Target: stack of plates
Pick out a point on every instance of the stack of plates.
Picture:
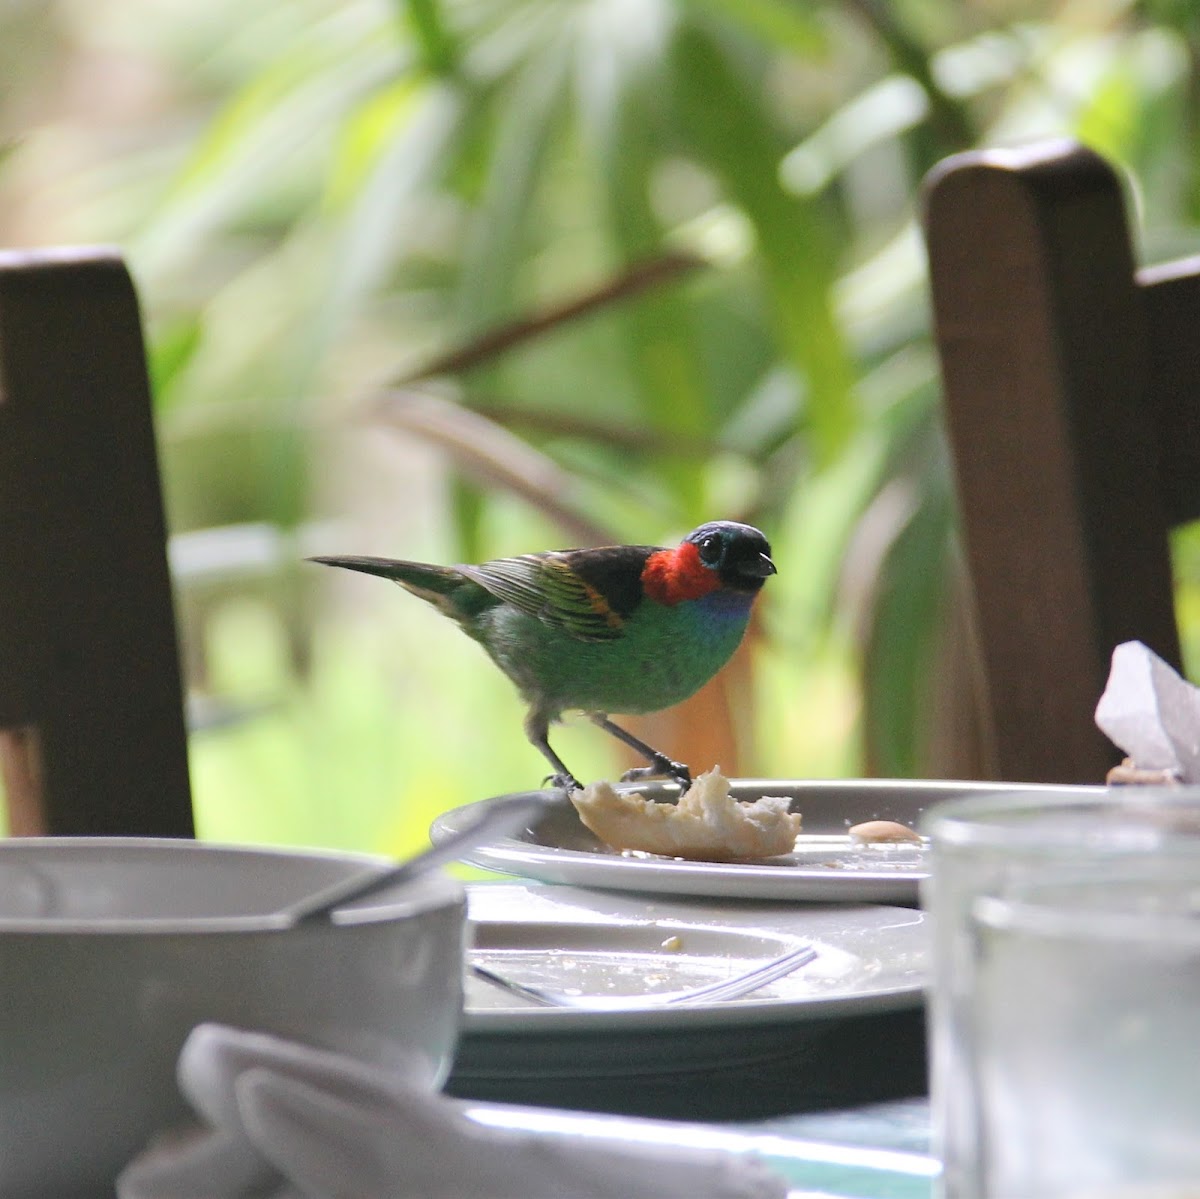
(846, 1028)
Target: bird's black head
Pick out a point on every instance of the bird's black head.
(738, 553)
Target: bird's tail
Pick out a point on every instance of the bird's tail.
(436, 584)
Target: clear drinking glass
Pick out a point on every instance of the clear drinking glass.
(1006, 872)
(1086, 1059)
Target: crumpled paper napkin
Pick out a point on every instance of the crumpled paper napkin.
(1153, 715)
(285, 1121)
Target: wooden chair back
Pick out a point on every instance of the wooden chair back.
(1070, 382)
(90, 691)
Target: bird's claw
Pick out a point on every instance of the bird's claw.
(682, 775)
(562, 782)
(662, 767)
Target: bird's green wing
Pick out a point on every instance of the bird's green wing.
(546, 586)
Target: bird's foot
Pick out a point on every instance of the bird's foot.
(661, 767)
(563, 782)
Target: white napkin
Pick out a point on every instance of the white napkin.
(285, 1121)
(1152, 714)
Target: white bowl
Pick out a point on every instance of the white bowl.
(112, 950)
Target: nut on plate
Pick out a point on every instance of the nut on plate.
(882, 832)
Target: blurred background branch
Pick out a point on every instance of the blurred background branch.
(495, 342)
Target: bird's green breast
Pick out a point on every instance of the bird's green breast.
(664, 654)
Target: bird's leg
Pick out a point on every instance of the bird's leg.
(660, 764)
(537, 729)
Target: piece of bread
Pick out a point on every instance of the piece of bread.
(706, 824)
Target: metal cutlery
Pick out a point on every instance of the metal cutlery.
(730, 988)
(491, 818)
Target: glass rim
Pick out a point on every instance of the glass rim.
(1057, 921)
(994, 820)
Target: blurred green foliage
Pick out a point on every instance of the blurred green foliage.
(454, 278)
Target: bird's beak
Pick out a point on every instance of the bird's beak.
(760, 567)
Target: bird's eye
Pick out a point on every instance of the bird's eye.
(710, 549)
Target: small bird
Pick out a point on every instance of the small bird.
(620, 628)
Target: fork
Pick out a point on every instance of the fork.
(728, 988)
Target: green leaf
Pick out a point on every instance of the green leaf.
(366, 134)
(904, 616)
(528, 112)
(818, 523)
(168, 353)
(395, 150)
(277, 120)
(439, 51)
(619, 85)
(723, 123)
(783, 24)
(874, 116)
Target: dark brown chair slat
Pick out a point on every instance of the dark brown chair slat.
(88, 655)
(1069, 397)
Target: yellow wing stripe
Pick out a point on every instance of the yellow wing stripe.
(602, 608)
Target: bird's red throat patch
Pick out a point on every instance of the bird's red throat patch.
(672, 576)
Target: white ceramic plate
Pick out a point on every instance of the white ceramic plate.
(789, 1039)
(869, 958)
(826, 865)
